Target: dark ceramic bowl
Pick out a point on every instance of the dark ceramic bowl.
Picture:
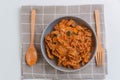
(50, 27)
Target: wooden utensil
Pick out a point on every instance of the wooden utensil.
(100, 51)
(31, 54)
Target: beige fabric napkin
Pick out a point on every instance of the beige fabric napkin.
(45, 14)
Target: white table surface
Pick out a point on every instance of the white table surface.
(9, 34)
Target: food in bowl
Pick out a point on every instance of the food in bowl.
(69, 44)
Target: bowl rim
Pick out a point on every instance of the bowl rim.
(43, 52)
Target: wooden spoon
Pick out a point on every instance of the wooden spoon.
(31, 54)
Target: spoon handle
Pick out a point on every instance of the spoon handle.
(33, 13)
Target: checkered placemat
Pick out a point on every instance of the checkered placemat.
(46, 14)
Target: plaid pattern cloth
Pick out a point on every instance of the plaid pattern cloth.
(44, 15)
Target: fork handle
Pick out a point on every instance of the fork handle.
(97, 20)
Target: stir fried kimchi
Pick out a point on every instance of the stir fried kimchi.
(69, 44)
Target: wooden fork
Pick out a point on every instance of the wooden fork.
(100, 51)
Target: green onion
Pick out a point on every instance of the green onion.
(53, 42)
(68, 33)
